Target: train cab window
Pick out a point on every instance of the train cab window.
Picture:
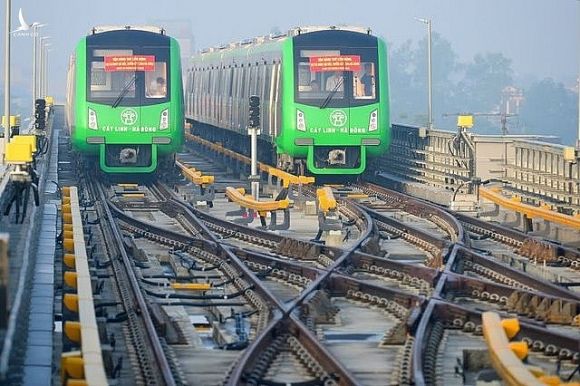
(336, 69)
(315, 84)
(364, 85)
(107, 81)
(155, 81)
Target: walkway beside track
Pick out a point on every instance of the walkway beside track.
(27, 343)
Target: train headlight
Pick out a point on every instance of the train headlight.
(300, 121)
(164, 120)
(374, 121)
(93, 125)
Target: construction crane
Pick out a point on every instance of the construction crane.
(502, 116)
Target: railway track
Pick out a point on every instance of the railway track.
(285, 309)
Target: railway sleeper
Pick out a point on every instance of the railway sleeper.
(298, 249)
(319, 308)
(535, 249)
(557, 311)
(308, 361)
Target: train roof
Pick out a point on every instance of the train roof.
(260, 40)
(315, 28)
(109, 28)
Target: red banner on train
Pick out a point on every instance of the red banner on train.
(335, 63)
(130, 63)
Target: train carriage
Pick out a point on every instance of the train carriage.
(324, 97)
(125, 98)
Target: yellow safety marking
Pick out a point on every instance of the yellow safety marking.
(70, 279)
(511, 327)
(326, 200)
(66, 200)
(195, 176)
(520, 349)
(506, 358)
(67, 227)
(133, 195)
(531, 211)
(465, 121)
(191, 286)
(69, 260)
(67, 218)
(71, 365)
(68, 245)
(66, 191)
(66, 208)
(27, 139)
(260, 206)
(508, 366)
(71, 302)
(132, 186)
(18, 153)
(357, 196)
(72, 331)
(88, 362)
(68, 234)
(76, 382)
(569, 154)
(14, 120)
(287, 178)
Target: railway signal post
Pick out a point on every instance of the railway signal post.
(253, 132)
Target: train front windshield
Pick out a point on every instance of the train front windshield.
(336, 69)
(127, 76)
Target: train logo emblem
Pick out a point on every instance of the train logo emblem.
(129, 117)
(338, 118)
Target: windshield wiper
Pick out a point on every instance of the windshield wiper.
(123, 92)
(331, 94)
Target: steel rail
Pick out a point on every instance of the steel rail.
(419, 208)
(162, 364)
(258, 345)
(561, 250)
(522, 277)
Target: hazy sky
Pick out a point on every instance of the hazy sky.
(542, 37)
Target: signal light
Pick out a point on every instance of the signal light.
(39, 114)
(254, 119)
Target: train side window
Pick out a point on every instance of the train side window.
(231, 82)
(156, 81)
(364, 82)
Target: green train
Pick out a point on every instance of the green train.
(125, 98)
(324, 98)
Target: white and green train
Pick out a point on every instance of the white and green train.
(324, 97)
(125, 98)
